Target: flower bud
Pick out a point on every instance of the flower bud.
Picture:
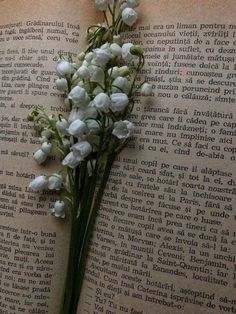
(101, 5)
(30, 116)
(132, 3)
(129, 16)
(39, 183)
(117, 39)
(54, 182)
(119, 101)
(34, 113)
(146, 89)
(81, 56)
(136, 50)
(59, 209)
(39, 156)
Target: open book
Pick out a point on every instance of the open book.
(165, 236)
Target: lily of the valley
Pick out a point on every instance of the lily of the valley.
(55, 182)
(146, 89)
(39, 183)
(59, 209)
(119, 101)
(102, 102)
(64, 68)
(39, 156)
(129, 16)
(78, 128)
(123, 129)
(78, 96)
(81, 150)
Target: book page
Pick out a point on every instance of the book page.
(164, 240)
(33, 244)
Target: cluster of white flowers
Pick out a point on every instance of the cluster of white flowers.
(99, 93)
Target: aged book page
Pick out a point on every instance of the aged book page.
(164, 240)
(33, 244)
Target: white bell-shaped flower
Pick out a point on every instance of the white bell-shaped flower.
(119, 101)
(62, 85)
(146, 89)
(113, 72)
(40, 156)
(59, 209)
(46, 147)
(62, 125)
(78, 128)
(102, 102)
(64, 68)
(81, 150)
(83, 72)
(78, 96)
(126, 54)
(39, 183)
(115, 50)
(123, 129)
(121, 84)
(97, 74)
(55, 182)
(93, 126)
(71, 161)
(101, 56)
(129, 16)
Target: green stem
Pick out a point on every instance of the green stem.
(73, 251)
(88, 230)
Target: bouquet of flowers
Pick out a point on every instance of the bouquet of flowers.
(99, 93)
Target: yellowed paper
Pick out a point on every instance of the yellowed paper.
(165, 235)
(33, 244)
